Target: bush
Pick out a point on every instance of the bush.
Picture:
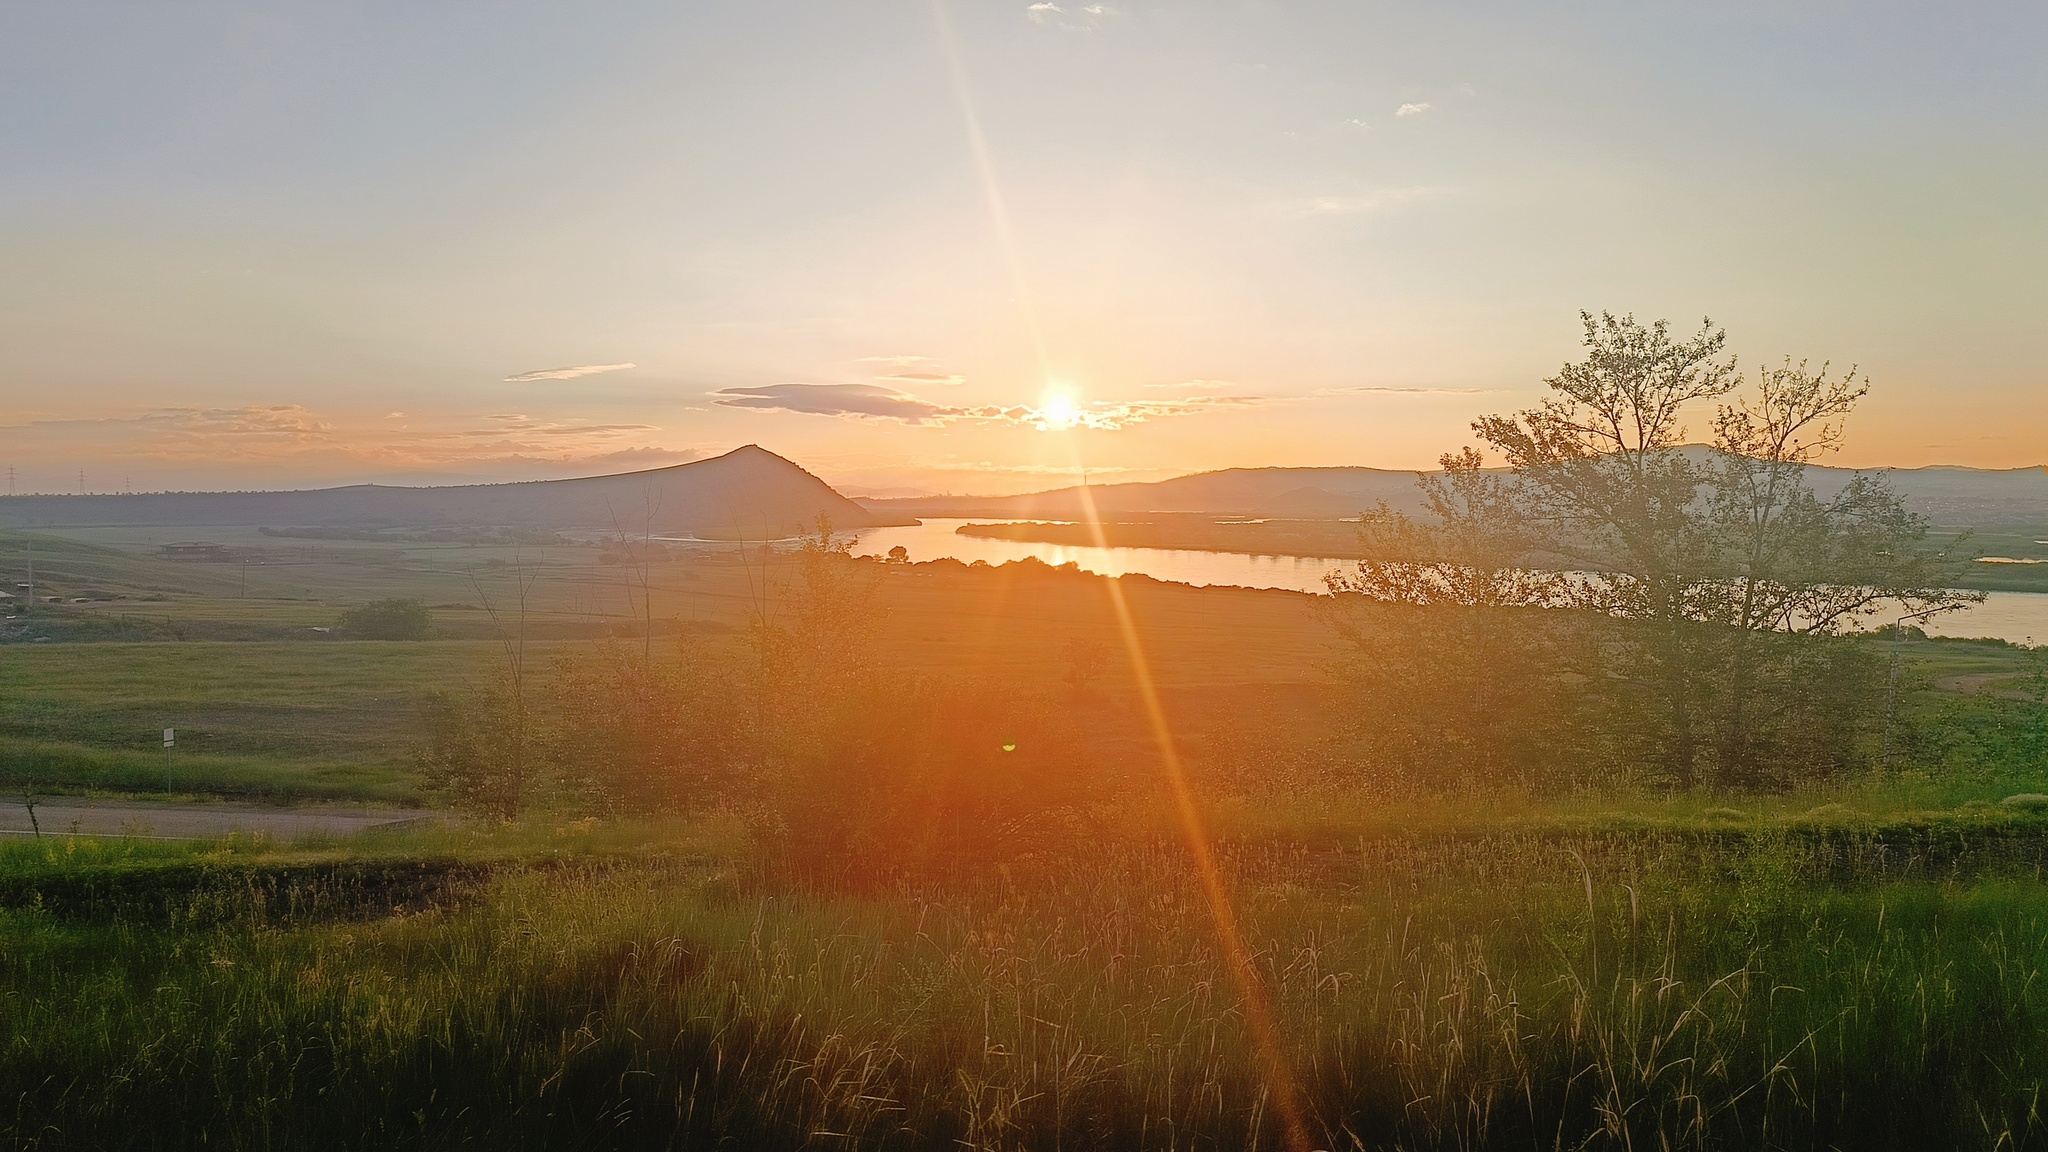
(387, 620)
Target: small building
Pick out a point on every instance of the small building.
(195, 550)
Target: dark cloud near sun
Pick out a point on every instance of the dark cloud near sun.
(870, 400)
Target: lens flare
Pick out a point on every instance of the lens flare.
(1058, 412)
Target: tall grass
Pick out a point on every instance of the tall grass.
(1517, 994)
(67, 766)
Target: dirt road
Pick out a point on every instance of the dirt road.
(170, 821)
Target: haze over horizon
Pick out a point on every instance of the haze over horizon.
(290, 245)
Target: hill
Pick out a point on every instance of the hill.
(748, 492)
(1301, 493)
(1947, 495)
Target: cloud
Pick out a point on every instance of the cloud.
(1197, 385)
(899, 361)
(1390, 390)
(925, 377)
(1411, 109)
(1110, 416)
(286, 444)
(1080, 18)
(867, 400)
(505, 424)
(1363, 203)
(874, 402)
(644, 457)
(566, 373)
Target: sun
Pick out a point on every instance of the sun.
(1057, 410)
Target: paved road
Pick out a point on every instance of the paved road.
(191, 821)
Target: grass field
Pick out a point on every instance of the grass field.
(1796, 983)
(281, 711)
(302, 715)
(2008, 543)
(1853, 966)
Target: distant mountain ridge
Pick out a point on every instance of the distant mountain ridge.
(1945, 494)
(748, 492)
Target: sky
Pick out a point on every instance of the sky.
(973, 246)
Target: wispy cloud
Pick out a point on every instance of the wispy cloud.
(1392, 390)
(1111, 415)
(875, 402)
(1411, 109)
(269, 445)
(866, 400)
(1362, 203)
(913, 371)
(569, 373)
(503, 424)
(1070, 17)
(643, 457)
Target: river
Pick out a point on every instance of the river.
(2020, 617)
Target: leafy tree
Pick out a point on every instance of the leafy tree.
(387, 620)
(1721, 575)
(1719, 555)
(478, 748)
(862, 771)
(1456, 678)
(642, 734)
(1791, 564)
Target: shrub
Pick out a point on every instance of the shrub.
(387, 620)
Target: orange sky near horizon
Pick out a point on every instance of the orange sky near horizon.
(288, 246)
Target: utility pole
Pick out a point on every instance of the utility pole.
(10, 479)
(81, 481)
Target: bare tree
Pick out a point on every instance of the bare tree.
(30, 797)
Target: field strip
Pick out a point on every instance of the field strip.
(193, 821)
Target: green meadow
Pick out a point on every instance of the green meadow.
(1697, 980)
(1851, 962)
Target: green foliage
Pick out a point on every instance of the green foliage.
(640, 733)
(398, 619)
(76, 767)
(865, 773)
(1708, 589)
(1999, 732)
(479, 749)
(1506, 991)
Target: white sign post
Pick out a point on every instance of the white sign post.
(170, 742)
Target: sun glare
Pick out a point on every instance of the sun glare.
(1057, 411)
